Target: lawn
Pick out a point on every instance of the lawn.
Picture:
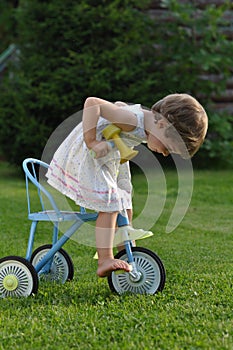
(194, 311)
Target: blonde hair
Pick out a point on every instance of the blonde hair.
(187, 116)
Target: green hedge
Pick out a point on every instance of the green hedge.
(112, 49)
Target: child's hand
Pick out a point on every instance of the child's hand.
(100, 149)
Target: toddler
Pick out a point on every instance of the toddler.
(175, 124)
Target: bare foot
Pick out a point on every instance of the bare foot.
(107, 266)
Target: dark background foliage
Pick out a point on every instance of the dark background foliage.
(69, 50)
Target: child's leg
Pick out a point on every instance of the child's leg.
(105, 229)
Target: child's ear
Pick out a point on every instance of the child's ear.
(162, 123)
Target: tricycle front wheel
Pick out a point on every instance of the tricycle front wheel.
(151, 271)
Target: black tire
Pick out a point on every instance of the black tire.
(153, 274)
(62, 268)
(18, 278)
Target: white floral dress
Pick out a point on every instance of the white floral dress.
(101, 184)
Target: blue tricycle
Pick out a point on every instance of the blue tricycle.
(19, 277)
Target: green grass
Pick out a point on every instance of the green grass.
(195, 310)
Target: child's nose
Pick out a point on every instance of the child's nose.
(165, 153)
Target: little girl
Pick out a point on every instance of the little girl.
(175, 124)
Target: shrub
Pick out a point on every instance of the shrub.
(70, 50)
(112, 49)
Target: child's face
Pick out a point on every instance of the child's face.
(156, 145)
(157, 141)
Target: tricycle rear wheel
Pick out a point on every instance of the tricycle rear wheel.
(62, 268)
(18, 277)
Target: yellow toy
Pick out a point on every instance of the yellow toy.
(112, 132)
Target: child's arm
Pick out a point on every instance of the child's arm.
(94, 108)
(120, 104)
